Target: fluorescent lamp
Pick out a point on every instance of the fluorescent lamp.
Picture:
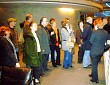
(66, 9)
(108, 4)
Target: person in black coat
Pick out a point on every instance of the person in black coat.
(86, 43)
(8, 56)
(54, 42)
(107, 26)
(97, 40)
(79, 41)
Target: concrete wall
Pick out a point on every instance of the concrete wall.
(37, 12)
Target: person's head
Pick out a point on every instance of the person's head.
(44, 21)
(12, 22)
(105, 20)
(29, 17)
(99, 23)
(53, 22)
(80, 24)
(49, 26)
(67, 19)
(33, 26)
(89, 20)
(5, 31)
(63, 23)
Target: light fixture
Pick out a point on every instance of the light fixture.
(66, 9)
(108, 4)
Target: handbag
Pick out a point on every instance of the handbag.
(69, 43)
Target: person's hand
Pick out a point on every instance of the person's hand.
(52, 33)
(59, 45)
(79, 45)
(17, 65)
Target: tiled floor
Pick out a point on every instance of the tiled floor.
(72, 76)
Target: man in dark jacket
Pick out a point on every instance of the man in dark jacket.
(97, 40)
(43, 36)
(86, 43)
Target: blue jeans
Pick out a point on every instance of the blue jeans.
(67, 62)
(86, 58)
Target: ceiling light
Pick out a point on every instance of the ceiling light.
(66, 9)
(108, 4)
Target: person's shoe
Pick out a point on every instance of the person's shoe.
(90, 75)
(84, 67)
(94, 81)
(65, 67)
(54, 66)
(37, 81)
(49, 69)
(42, 75)
(71, 66)
(89, 66)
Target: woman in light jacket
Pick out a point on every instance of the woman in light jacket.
(65, 35)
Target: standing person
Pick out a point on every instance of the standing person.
(67, 45)
(79, 41)
(14, 34)
(54, 43)
(43, 36)
(71, 31)
(86, 43)
(106, 27)
(97, 40)
(8, 56)
(26, 24)
(32, 56)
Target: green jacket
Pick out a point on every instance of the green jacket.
(30, 54)
(44, 39)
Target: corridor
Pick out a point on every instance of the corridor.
(77, 75)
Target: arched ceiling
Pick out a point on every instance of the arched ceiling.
(80, 5)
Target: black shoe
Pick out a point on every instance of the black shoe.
(94, 81)
(54, 66)
(49, 69)
(79, 61)
(71, 66)
(42, 75)
(90, 75)
(89, 66)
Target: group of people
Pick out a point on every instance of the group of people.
(44, 38)
(91, 39)
(39, 41)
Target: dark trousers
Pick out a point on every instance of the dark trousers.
(54, 48)
(35, 71)
(95, 60)
(45, 61)
(80, 54)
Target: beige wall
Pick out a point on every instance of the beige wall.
(37, 12)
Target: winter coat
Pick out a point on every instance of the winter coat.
(30, 55)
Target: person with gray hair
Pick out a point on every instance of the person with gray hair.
(86, 43)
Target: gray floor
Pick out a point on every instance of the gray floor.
(72, 76)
